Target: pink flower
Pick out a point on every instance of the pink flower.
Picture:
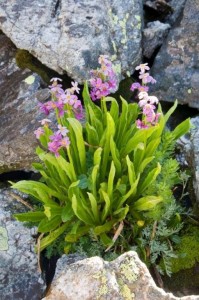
(74, 87)
(45, 122)
(143, 68)
(65, 142)
(141, 125)
(153, 100)
(143, 95)
(38, 132)
(148, 109)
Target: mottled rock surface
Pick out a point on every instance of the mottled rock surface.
(19, 276)
(153, 37)
(189, 145)
(19, 113)
(125, 278)
(176, 67)
(68, 36)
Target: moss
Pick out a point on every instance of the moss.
(26, 60)
(187, 251)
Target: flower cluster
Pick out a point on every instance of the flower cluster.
(63, 101)
(57, 140)
(104, 80)
(146, 102)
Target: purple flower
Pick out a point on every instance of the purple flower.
(44, 108)
(63, 130)
(56, 137)
(135, 86)
(54, 147)
(38, 132)
(104, 80)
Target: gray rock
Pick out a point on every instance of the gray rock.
(176, 67)
(68, 36)
(154, 36)
(169, 11)
(125, 278)
(19, 276)
(189, 145)
(19, 113)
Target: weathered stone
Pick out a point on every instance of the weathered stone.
(154, 36)
(125, 278)
(19, 113)
(167, 11)
(68, 36)
(19, 276)
(176, 67)
(189, 145)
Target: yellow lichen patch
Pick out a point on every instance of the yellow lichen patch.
(103, 289)
(129, 271)
(125, 290)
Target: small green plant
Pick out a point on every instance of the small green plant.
(106, 173)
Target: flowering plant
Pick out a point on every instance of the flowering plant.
(102, 170)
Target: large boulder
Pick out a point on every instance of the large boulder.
(19, 276)
(125, 278)
(68, 36)
(19, 113)
(176, 67)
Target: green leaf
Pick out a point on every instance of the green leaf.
(139, 137)
(147, 203)
(149, 179)
(111, 177)
(181, 129)
(37, 189)
(77, 130)
(121, 213)
(73, 237)
(83, 181)
(52, 210)
(131, 171)
(107, 206)
(47, 225)
(145, 163)
(115, 156)
(80, 211)
(52, 236)
(67, 212)
(32, 216)
(98, 230)
(92, 135)
(94, 207)
(170, 111)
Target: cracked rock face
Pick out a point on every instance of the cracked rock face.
(125, 278)
(68, 36)
(19, 276)
(19, 113)
(176, 67)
